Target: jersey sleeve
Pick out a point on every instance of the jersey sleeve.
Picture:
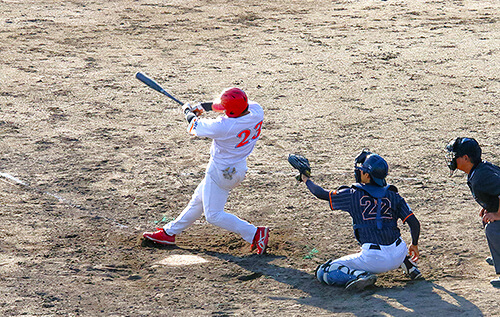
(489, 184)
(317, 190)
(210, 128)
(485, 187)
(341, 199)
(403, 211)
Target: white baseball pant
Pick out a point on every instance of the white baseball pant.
(387, 258)
(210, 197)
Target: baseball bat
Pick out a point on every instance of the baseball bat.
(153, 84)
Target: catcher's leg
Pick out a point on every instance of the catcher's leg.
(190, 214)
(332, 273)
(411, 269)
(376, 258)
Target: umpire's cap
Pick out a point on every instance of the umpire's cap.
(465, 146)
(377, 167)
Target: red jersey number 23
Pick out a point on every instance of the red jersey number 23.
(246, 135)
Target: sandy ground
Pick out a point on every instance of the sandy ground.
(91, 157)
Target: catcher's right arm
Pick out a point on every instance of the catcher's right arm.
(300, 163)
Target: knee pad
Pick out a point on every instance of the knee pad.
(320, 271)
(335, 274)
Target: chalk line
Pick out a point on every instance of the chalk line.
(59, 198)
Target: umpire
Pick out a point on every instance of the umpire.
(484, 182)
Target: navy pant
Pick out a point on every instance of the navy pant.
(492, 231)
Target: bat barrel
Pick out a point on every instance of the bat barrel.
(153, 84)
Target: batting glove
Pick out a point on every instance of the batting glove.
(197, 109)
(186, 108)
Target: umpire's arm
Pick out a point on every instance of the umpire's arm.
(492, 216)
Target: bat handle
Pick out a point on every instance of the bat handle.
(172, 97)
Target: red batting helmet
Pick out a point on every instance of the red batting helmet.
(233, 102)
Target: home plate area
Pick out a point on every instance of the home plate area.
(181, 260)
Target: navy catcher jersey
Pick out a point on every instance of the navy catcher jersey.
(484, 183)
(363, 209)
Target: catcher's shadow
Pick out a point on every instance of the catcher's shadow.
(416, 298)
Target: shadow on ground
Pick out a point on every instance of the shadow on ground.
(412, 299)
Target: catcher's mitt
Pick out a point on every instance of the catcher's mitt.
(300, 163)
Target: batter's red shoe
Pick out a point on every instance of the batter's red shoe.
(260, 240)
(160, 237)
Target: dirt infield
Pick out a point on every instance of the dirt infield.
(91, 157)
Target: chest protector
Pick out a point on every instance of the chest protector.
(378, 193)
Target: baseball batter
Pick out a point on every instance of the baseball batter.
(375, 208)
(483, 179)
(234, 136)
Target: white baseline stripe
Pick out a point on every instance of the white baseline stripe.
(59, 198)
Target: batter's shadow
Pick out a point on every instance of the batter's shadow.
(416, 298)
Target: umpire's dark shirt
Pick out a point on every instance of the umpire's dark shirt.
(484, 183)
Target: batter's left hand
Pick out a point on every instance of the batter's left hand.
(413, 252)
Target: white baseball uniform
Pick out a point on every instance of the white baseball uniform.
(233, 141)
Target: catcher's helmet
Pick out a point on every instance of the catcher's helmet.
(232, 101)
(460, 147)
(374, 165)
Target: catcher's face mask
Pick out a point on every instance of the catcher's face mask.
(358, 164)
(451, 155)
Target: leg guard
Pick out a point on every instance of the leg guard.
(336, 274)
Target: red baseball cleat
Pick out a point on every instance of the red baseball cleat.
(160, 237)
(260, 240)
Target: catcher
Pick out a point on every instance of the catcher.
(375, 208)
